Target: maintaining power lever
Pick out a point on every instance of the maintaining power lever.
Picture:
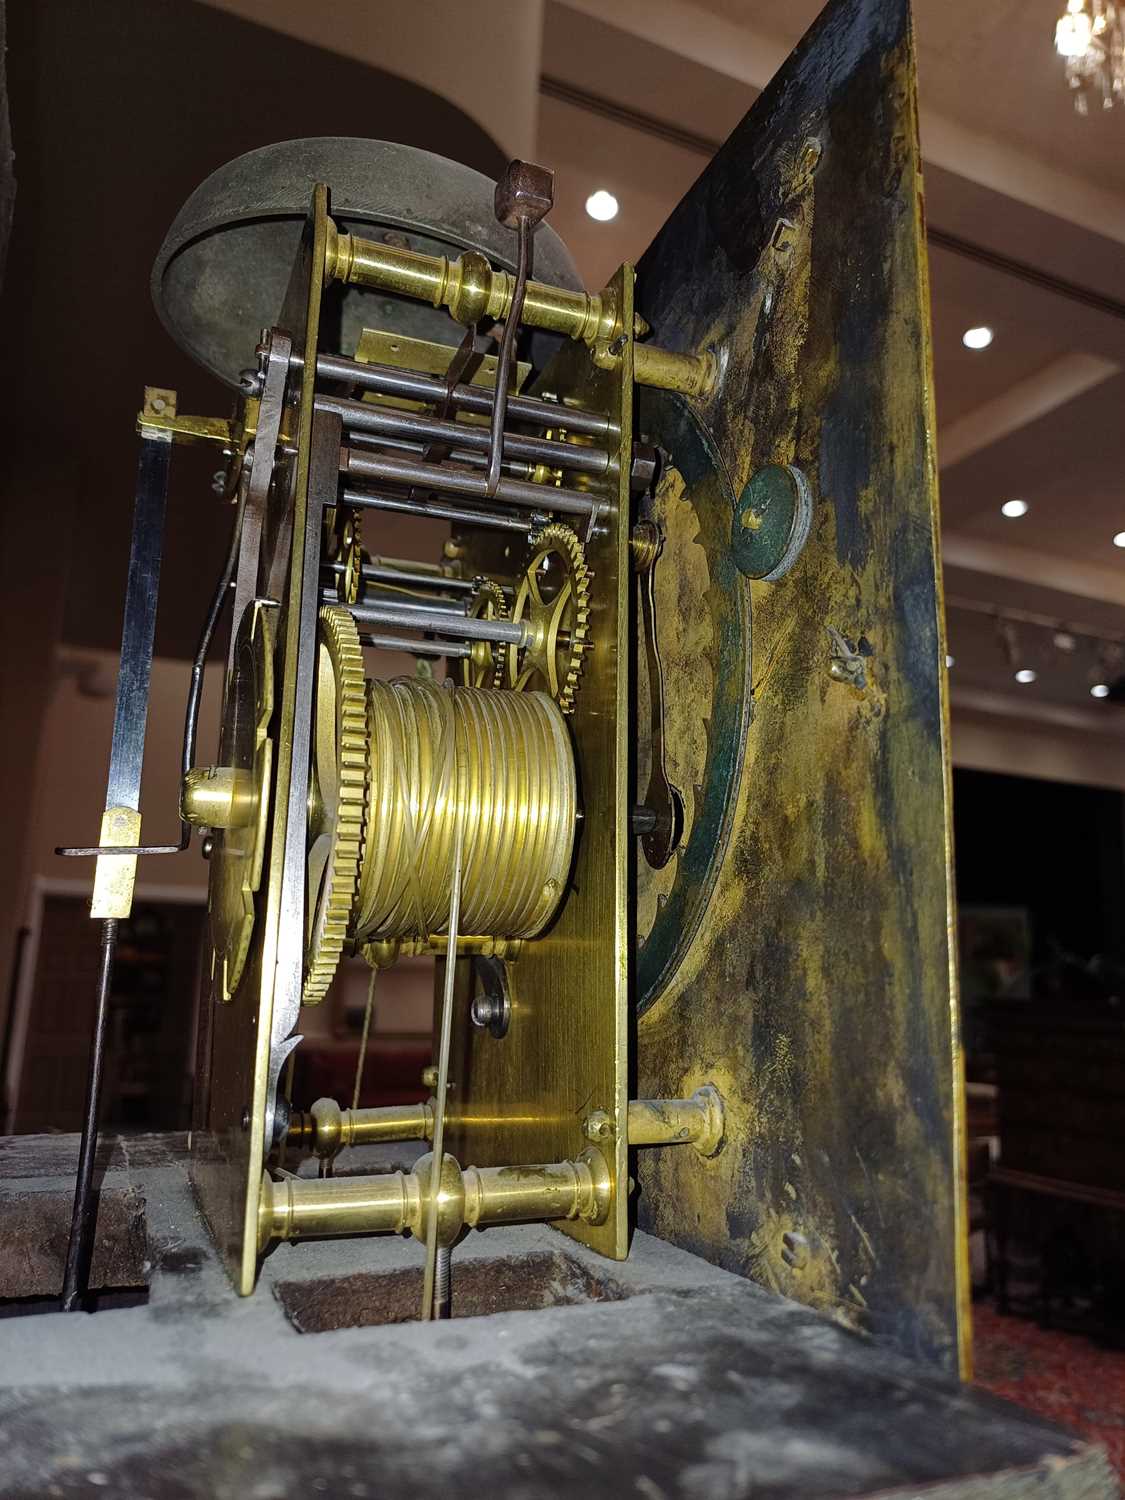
(663, 801)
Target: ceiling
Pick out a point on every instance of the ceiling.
(1037, 415)
(1025, 200)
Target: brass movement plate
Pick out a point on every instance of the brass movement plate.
(428, 358)
(526, 1096)
(798, 955)
(228, 1145)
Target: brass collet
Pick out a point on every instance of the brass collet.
(394, 1202)
(218, 797)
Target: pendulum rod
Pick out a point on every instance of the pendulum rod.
(362, 1058)
(79, 1248)
(438, 1159)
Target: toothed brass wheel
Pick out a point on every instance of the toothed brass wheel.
(347, 553)
(337, 795)
(231, 799)
(485, 666)
(554, 598)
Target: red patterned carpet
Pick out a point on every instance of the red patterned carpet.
(1062, 1376)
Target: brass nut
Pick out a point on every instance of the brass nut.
(429, 1077)
(598, 1126)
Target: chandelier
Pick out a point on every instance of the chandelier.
(1090, 35)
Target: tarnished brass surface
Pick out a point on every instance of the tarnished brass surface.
(378, 348)
(470, 288)
(800, 958)
(326, 1128)
(217, 430)
(554, 598)
(338, 783)
(565, 1055)
(697, 1121)
(473, 290)
(484, 667)
(228, 1142)
(563, 1191)
(693, 375)
(215, 796)
(233, 798)
(116, 874)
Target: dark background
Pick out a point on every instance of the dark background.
(1056, 849)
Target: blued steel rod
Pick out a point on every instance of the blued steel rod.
(386, 380)
(380, 574)
(439, 510)
(436, 572)
(453, 607)
(384, 421)
(84, 1215)
(415, 647)
(386, 469)
(469, 458)
(507, 632)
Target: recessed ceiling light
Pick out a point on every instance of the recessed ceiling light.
(949, 661)
(602, 206)
(977, 338)
(1026, 675)
(1119, 539)
(1099, 690)
(1014, 508)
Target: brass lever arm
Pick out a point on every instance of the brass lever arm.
(662, 799)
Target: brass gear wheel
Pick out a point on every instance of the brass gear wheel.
(349, 553)
(246, 753)
(560, 620)
(338, 775)
(485, 666)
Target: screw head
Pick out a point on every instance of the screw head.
(598, 1126)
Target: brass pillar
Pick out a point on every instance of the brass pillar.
(303, 1208)
(697, 1121)
(471, 289)
(327, 1129)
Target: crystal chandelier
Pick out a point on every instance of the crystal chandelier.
(1090, 35)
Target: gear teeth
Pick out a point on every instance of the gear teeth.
(349, 551)
(486, 593)
(341, 877)
(556, 536)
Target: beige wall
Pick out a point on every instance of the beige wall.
(483, 58)
(74, 758)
